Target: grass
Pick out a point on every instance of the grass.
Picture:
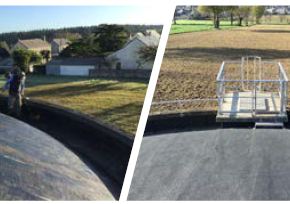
(115, 101)
(185, 26)
(275, 20)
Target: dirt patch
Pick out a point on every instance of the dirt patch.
(192, 60)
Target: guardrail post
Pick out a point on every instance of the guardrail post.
(219, 96)
(242, 73)
(255, 98)
(282, 99)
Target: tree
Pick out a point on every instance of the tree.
(215, 10)
(4, 50)
(24, 58)
(246, 12)
(243, 12)
(68, 35)
(110, 38)
(4, 45)
(239, 12)
(35, 58)
(232, 10)
(85, 47)
(146, 54)
(282, 13)
(259, 12)
(45, 54)
(174, 16)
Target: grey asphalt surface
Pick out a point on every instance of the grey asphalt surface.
(221, 164)
(34, 166)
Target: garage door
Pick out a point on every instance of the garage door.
(75, 70)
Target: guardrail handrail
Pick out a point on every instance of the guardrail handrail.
(253, 82)
(283, 72)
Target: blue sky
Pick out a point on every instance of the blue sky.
(24, 18)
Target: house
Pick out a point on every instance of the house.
(36, 45)
(71, 66)
(128, 57)
(282, 11)
(6, 62)
(153, 33)
(57, 45)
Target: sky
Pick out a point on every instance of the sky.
(24, 18)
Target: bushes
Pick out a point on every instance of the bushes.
(39, 69)
(24, 58)
(3, 71)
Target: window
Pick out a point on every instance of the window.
(118, 65)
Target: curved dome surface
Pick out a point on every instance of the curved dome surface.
(216, 164)
(34, 166)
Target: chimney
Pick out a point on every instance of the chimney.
(129, 37)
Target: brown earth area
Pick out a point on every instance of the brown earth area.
(192, 60)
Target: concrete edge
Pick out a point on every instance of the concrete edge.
(173, 122)
(91, 120)
(177, 122)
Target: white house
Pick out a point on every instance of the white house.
(128, 57)
(71, 66)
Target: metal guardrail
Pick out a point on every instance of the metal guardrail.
(183, 101)
(251, 75)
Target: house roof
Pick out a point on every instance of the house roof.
(34, 43)
(61, 41)
(74, 61)
(153, 32)
(149, 40)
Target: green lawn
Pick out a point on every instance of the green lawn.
(116, 101)
(185, 26)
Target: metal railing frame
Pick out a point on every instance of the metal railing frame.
(245, 81)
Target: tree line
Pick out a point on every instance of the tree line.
(71, 33)
(241, 12)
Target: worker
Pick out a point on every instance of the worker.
(16, 83)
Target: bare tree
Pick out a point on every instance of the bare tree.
(232, 10)
(174, 16)
(259, 12)
(215, 10)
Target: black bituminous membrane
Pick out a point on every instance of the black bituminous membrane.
(102, 150)
(34, 166)
(191, 157)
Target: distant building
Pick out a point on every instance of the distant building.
(6, 61)
(282, 11)
(71, 66)
(152, 33)
(36, 45)
(128, 57)
(57, 45)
